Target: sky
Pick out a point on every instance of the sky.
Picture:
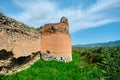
(90, 21)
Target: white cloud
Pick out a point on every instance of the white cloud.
(35, 12)
(39, 12)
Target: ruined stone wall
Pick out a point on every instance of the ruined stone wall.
(18, 37)
(53, 40)
(56, 40)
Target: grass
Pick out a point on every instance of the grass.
(77, 69)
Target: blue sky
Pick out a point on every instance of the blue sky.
(90, 21)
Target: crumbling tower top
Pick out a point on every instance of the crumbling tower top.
(64, 20)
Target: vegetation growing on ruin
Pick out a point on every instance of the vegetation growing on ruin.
(88, 64)
(5, 20)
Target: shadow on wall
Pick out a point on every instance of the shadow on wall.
(8, 62)
(4, 54)
(24, 59)
(8, 55)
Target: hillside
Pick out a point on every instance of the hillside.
(87, 64)
(53, 70)
(110, 43)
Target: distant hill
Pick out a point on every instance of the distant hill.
(110, 43)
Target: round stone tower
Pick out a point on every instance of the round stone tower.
(56, 41)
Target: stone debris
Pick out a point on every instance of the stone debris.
(58, 57)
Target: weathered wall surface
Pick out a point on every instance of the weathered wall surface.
(50, 43)
(18, 38)
(56, 40)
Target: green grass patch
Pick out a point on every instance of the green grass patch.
(77, 69)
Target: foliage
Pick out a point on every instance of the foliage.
(107, 58)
